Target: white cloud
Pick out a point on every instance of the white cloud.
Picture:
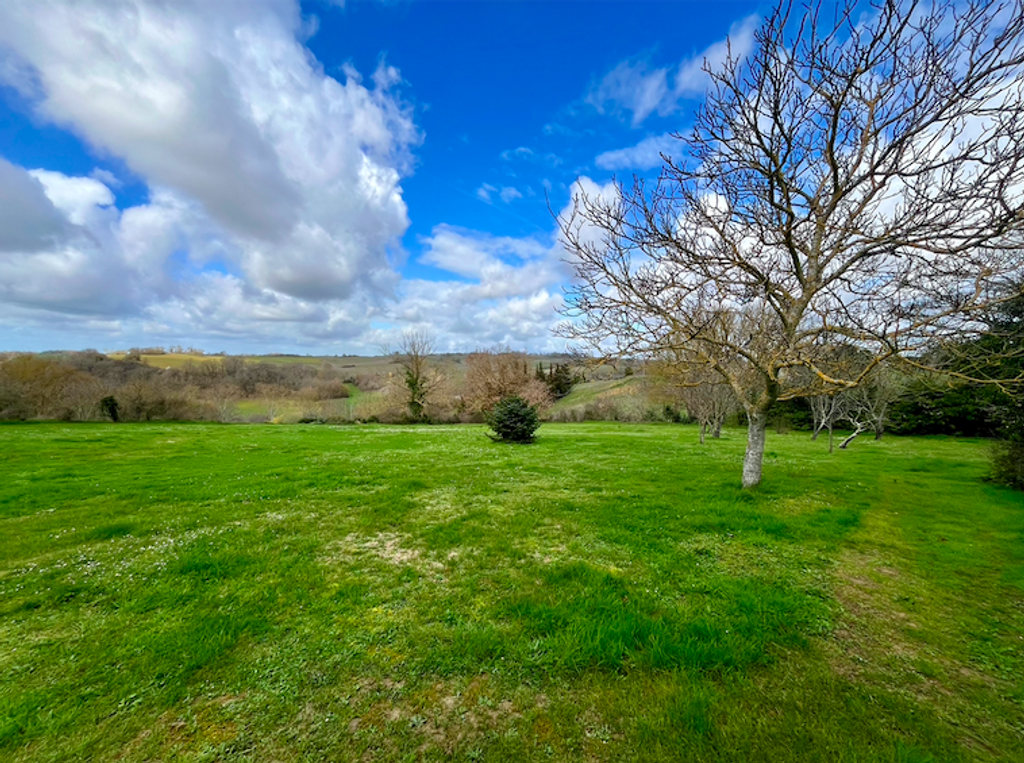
(506, 193)
(106, 177)
(633, 87)
(516, 153)
(80, 199)
(29, 221)
(508, 292)
(103, 262)
(525, 154)
(509, 194)
(222, 105)
(644, 155)
(586, 195)
(274, 193)
(484, 192)
(467, 320)
(636, 87)
(494, 260)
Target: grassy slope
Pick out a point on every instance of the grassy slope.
(169, 360)
(202, 592)
(591, 392)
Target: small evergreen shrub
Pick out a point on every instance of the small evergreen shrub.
(513, 420)
(1008, 453)
(1008, 463)
(109, 406)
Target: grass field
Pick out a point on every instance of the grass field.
(285, 593)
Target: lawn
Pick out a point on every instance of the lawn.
(285, 593)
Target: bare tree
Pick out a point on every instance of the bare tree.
(827, 411)
(495, 374)
(709, 400)
(871, 400)
(855, 183)
(414, 350)
(272, 395)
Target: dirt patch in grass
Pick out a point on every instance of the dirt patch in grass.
(193, 726)
(449, 715)
(393, 548)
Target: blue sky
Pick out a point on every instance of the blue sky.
(265, 176)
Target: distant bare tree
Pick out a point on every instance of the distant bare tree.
(495, 374)
(710, 401)
(826, 412)
(272, 395)
(413, 353)
(53, 389)
(224, 398)
(80, 398)
(867, 406)
(855, 183)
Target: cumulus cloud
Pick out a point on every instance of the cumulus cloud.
(79, 199)
(506, 293)
(466, 321)
(220, 104)
(274, 205)
(96, 259)
(645, 155)
(482, 256)
(506, 193)
(484, 192)
(29, 221)
(637, 87)
(509, 194)
(106, 177)
(585, 194)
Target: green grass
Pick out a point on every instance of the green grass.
(204, 592)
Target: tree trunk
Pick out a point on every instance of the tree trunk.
(830, 440)
(848, 440)
(879, 430)
(716, 432)
(817, 431)
(754, 457)
(703, 429)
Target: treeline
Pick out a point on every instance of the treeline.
(927, 406)
(425, 389)
(89, 386)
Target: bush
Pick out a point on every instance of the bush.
(333, 389)
(1008, 463)
(513, 420)
(1008, 454)
(109, 406)
(963, 410)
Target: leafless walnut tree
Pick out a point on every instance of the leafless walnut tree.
(854, 184)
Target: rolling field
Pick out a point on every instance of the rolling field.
(289, 593)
